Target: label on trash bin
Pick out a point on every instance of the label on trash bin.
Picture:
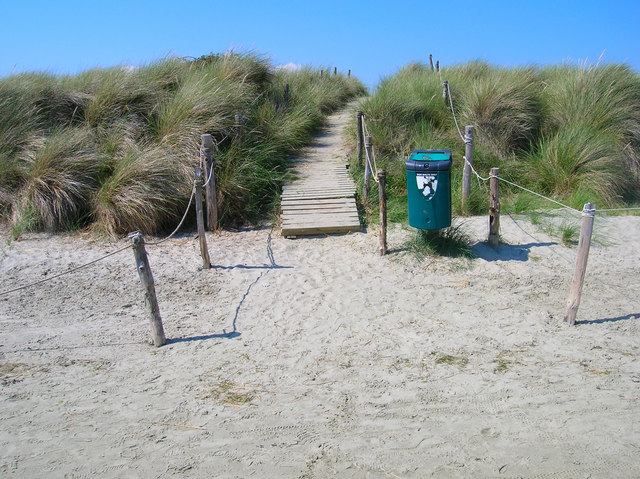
(427, 183)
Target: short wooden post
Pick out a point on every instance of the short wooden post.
(321, 73)
(335, 71)
(146, 278)
(494, 208)
(437, 65)
(368, 146)
(445, 88)
(286, 94)
(431, 61)
(349, 74)
(466, 172)
(211, 196)
(588, 215)
(360, 137)
(382, 189)
(204, 250)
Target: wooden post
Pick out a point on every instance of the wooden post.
(437, 65)
(445, 89)
(494, 208)
(466, 172)
(588, 215)
(286, 94)
(360, 138)
(146, 278)
(349, 74)
(335, 71)
(382, 189)
(431, 61)
(204, 251)
(321, 73)
(368, 146)
(211, 196)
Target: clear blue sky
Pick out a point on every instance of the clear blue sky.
(372, 38)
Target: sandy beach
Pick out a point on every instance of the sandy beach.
(316, 358)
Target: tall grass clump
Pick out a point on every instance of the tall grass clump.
(145, 191)
(60, 172)
(115, 148)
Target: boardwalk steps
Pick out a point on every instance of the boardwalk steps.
(320, 201)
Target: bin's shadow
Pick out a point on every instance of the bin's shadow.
(505, 252)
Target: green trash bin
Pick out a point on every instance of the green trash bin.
(429, 189)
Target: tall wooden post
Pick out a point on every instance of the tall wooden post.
(466, 172)
(445, 89)
(431, 61)
(360, 136)
(335, 71)
(211, 196)
(382, 189)
(588, 215)
(437, 65)
(349, 74)
(146, 278)
(204, 250)
(494, 208)
(368, 146)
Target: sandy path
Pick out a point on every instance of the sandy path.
(317, 358)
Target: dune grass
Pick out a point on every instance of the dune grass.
(568, 131)
(114, 149)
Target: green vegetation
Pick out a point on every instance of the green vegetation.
(115, 149)
(571, 132)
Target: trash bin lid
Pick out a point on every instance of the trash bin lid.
(429, 160)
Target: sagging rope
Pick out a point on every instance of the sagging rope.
(463, 137)
(365, 133)
(76, 268)
(63, 273)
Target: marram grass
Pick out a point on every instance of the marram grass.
(115, 148)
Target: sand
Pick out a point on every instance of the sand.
(317, 358)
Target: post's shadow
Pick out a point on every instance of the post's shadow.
(505, 252)
(610, 320)
(230, 335)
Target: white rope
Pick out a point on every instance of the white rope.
(474, 170)
(541, 196)
(193, 191)
(465, 139)
(521, 187)
(71, 270)
(619, 209)
(366, 151)
(208, 179)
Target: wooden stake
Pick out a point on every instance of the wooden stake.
(146, 278)
(204, 251)
(211, 196)
(466, 172)
(335, 71)
(588, 215)
(431, 61)
(368, 146)
(382, 189)
(494, 208)
(349, 74)
(360, 138)
(445, 88)
(437, 65)
(286, 94)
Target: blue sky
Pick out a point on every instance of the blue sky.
(372, 38)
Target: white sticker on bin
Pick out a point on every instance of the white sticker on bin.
(427, 183)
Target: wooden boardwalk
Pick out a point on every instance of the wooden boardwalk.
(321, 200)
